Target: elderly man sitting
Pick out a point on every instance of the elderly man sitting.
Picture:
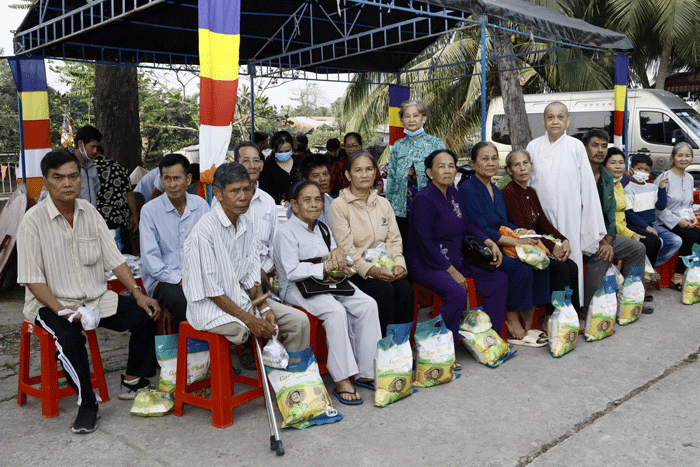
(222, 268)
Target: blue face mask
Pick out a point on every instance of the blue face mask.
(414, 133)
(283, 156)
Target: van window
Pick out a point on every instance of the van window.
(657, 127)
(581, 122)
(691, 118)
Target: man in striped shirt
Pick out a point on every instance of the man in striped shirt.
(221, 270)
(64, 249)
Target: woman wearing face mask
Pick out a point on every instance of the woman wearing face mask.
(406, 172)
(614, 163)
(281, 170)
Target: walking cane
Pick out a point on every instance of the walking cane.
(275, 441)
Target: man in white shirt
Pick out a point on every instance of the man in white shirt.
(63, 251)
(222, 270)
(563, 180)
(165, 224)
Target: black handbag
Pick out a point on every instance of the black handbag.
(476, 252)
(312, 286)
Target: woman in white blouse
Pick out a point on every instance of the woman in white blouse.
(351, 322)
(678, 216)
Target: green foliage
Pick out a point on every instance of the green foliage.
(322, 134)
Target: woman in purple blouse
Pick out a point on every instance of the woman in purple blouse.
(433, 253)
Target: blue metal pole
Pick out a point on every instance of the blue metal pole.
(482, 20)
(251, 72)
(21, 142)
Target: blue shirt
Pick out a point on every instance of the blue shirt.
(163, 233)
(148, 182)
(405, 153)
(488, 215)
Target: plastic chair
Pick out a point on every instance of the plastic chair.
(317, 336)
(666, 272)
(222, 379)
(48, 392)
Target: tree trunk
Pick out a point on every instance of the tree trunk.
(117, 113)
(664, 63)
(512, 91)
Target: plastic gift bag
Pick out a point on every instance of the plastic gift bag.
(435, 350)
(602, 311)
(197, 360)
(301, 396)
(533, 255)
(691, 277)
(632, 298)
(379, 257)
(619, 278)
(393, 365)
(151, 403)
(274, 353)
(476, 334)
(563, 325)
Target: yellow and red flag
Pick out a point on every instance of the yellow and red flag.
(30, 78)
(219, 41)
(397, 95)
(622, 63)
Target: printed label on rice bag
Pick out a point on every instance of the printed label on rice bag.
(393, 374)
(487, 347)
(691, 292)
(566, 339)
(600, 326)
(630, 312)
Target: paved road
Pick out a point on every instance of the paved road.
(629, 400)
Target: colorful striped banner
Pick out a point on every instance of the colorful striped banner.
(30, 78)
(397, 95)
(622, 63)
(219, 42)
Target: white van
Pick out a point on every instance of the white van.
(657, 121)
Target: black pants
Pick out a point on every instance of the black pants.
(173, 298)
(690, 236)
(71, 351)
(403, 225)
(650, 241)
(394, 299)
(561, 275)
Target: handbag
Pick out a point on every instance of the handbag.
(476, 252)
(312, 286)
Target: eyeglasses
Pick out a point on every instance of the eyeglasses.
(72, 177)
(352, 146)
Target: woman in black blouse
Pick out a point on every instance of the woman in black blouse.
(281, 170)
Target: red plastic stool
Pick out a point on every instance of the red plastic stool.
(666, 272)
(317, 336)
(222, 379)
(48, 392)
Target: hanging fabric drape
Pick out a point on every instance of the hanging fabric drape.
(622, 63)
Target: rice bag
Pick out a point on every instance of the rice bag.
(393, 365)
(563, 325)
(630, 307)
(166, 353)
(301, 396)
(151, 403)
(379, 257)
(602, 311)
(476, 334)
(435, 350)
(691, 277)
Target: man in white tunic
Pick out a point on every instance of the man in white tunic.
(222, 268)
(563, 180)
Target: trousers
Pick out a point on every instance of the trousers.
(632, 251)
(394, 299)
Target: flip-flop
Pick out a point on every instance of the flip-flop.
(676, 286)
(337, 394)
(364, 384)
(648, 298)
(531, 339)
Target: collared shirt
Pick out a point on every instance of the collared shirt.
(293, 244)
(71, 261)
(262, 214)
(162, 233)
(220, 259)
(111, 194)
(148, 182)
(327, 201)
(405, 153)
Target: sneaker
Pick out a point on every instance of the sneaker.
(86, 421)
(128, 391)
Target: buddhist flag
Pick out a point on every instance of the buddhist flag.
(622, 63)
(219, 39)
(30, 78)
(397, 95)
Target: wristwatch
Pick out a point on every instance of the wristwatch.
(136, 286)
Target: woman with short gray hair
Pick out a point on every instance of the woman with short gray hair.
(406, 172)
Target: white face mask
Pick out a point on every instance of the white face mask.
(641, 177)
(83, 152)
(617, 179)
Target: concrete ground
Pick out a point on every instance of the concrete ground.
(625, 401)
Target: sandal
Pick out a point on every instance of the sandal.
(648, 298)
(337, 394)
(676, 286)
(367, 384)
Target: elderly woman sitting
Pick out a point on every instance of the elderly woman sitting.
(361, 219)
(351, 321)
(527, 287)
(525, 211)
(434, 248)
